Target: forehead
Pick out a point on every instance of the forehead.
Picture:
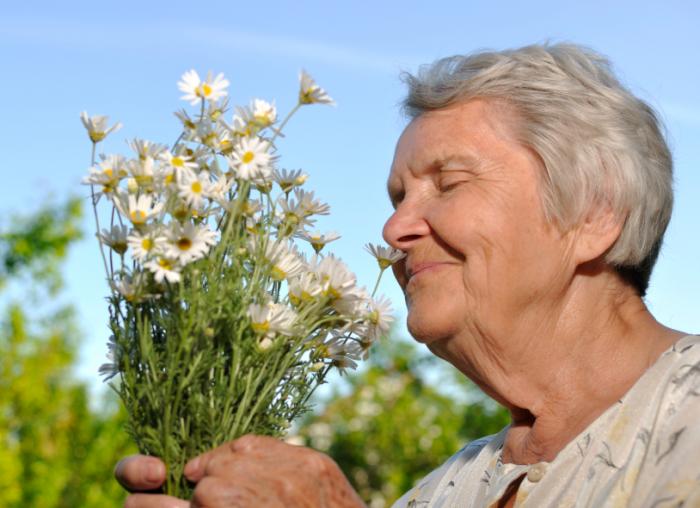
(466, 133)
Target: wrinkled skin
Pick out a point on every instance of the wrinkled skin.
(251, 471)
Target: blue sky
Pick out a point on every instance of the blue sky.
(124, 59)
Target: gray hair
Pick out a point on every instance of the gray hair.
(599, 144)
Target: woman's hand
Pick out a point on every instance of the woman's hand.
(250, 471)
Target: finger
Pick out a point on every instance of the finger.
(196, 468)
(140, 472)
(154, 501)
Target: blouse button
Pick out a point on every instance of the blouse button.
(536, 472)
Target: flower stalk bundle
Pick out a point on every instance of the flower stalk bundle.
(225, 313)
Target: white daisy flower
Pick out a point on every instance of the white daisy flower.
(163, 269)
(272, 319)
(144, 148)
(304, 288)
(196, 90)
(115, 238)
(287, 180)
(110, 369)
(137, 209)
(217, 137)
(309, 205)
(187, 242)
(146, 244)
(193, 188)
(239, 127)
(178, 161)
(251, 159)
(131, 287)
(142, 171)
(310, 92)
(317, 239)
(218, 192)
(342, 352)
(336, 278)
(216, 109)
(97, 126)
(284, 259)
(264, 113)
(386, 256)
(258, 115)
(291, 217)
(379, 317)
(188, 123)
(107, 174)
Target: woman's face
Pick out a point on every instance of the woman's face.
(468, 213)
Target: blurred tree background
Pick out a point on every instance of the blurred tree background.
(56, 448)
(386, 425)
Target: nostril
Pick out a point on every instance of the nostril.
(408, 238)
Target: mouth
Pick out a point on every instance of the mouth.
(417, 269)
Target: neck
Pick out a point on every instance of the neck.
(557, 375)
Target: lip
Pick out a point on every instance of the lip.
(428, 266)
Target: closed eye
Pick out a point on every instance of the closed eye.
(449, 185)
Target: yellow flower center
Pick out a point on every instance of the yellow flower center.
(373, 317)
(384, 263)
(261, 328)
(138, 216)
(146, 244)
(96, 137)
(209, 139)
(184, 243)
(119, 247)
(196, 187)
(169, 178)
(206, 89)
(108, 172)
(277, 273)
(332, 293)
(178, 162)
(248, 157)
(165, 264)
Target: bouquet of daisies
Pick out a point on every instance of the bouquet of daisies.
(225, 312)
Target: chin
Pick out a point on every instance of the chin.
(429, 325)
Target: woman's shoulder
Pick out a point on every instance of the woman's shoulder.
(439, 478)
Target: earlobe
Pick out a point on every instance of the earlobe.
(597, 234)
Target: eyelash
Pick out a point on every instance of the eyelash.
(449, 186)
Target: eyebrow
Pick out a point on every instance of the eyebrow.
(468, 159)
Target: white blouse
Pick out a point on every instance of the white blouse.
(642, 452)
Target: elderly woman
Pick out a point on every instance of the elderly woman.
(531, 194)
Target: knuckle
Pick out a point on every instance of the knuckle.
(318, 462)
(210, 491)
(245, 443)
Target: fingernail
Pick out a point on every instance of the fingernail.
(155, 473)
(192, 466)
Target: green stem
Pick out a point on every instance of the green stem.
(376, 286)
(278, 130)
(97, 220)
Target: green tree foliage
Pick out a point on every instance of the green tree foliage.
(55, 450)
(394, 427)
(37, 243)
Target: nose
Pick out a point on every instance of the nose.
(405, 226)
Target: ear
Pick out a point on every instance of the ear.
(597, 234)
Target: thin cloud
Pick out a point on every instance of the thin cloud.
(169, 36)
